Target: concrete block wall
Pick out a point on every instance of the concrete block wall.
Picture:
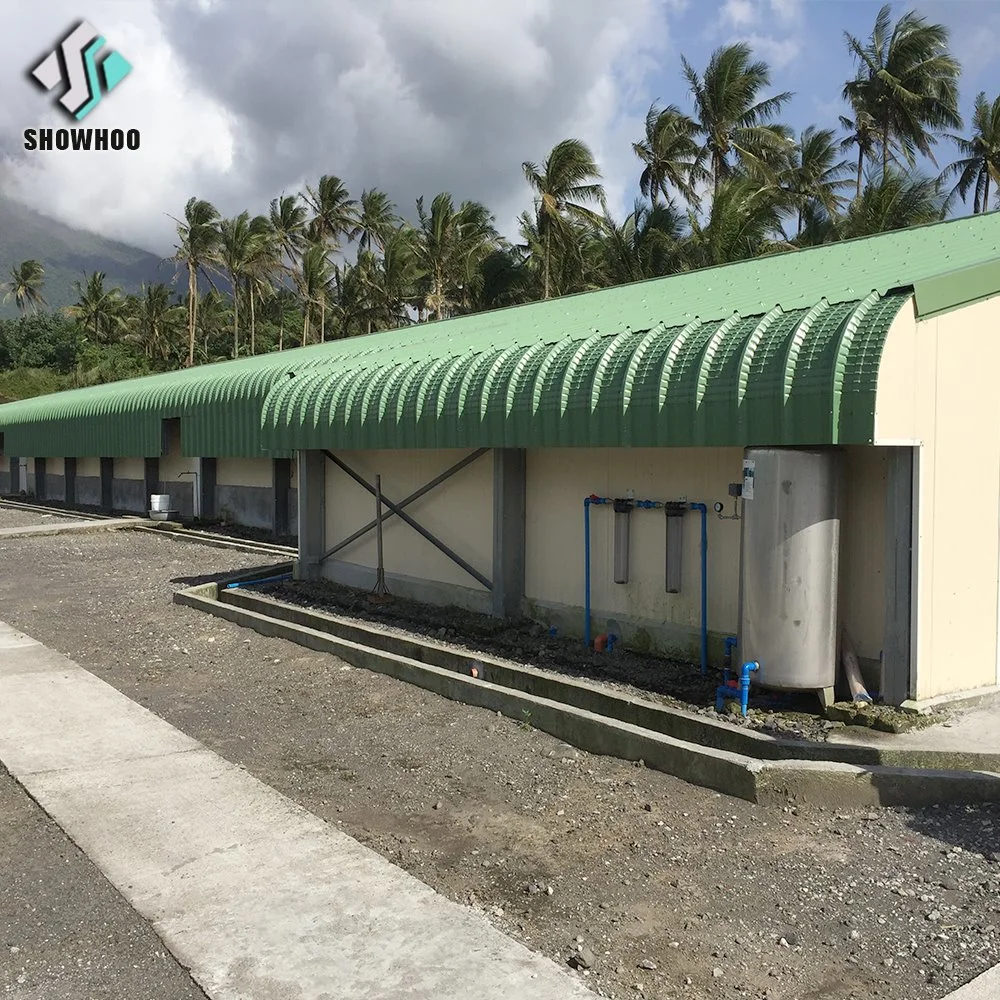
(88, 482)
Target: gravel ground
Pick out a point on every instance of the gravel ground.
(670, 890)
(65, 933)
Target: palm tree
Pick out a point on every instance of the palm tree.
(97, 308)
(670, 155)
(980, 160)
(198, 234)
(862, 132)
(154, 322)
(262, 266)
(25, 286)
(897, 201)
(376, 220)
(565, 184)
(645, 245)
(334, 213)
(234, 254)
(288, 218)
(316, 279)
(743, 222)
(907, 82)
(451, 245)
(736, 123)
(815, 174)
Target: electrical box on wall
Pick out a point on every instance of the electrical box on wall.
(749, 467)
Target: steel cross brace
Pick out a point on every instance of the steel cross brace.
(397, 509)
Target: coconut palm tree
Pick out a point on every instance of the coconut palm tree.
(376, 220)
(645, 245)
(262, 267)
(737, 124)
(334, 212)
(862, 133)
(155, 323)
(97, 309)
(815, 174)
(316, 278)
(744, 221)
(198, 235)
(288, 218)
(25, 286)
(670, 155)
(979, 164)
(897, 201)
(566, 183)
(907, 82)
(234, 254)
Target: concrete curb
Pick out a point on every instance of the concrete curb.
(829, 783)
(580, 693)
(73, 528)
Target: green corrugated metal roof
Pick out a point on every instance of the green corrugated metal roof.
(808, 376)
(530, 368)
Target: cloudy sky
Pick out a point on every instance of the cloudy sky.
(239, 100)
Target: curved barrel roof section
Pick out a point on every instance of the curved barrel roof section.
(806, 376)
(783, 348)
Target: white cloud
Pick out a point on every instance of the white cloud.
(778, 52)
(238, 100)
(739, 13)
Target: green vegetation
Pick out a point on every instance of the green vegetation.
(727, 182)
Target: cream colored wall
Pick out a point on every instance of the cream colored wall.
(171, 467)
(558, 481)
(130, 468)
(88, 467)
(55, 466)
(937, 386)
(459, 512)
(243, 472)
(861, 599)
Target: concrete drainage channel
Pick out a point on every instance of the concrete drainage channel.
(716, 755)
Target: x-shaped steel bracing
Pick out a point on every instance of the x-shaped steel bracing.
(397, 509)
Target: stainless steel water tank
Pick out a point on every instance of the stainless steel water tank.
(789, 566)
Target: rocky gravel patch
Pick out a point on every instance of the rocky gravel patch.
(641, 885)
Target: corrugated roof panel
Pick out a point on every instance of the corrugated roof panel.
(675, 387)
(220, 405)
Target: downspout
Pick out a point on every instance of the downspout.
(703, 510)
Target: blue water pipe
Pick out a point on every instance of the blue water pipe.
(731, 642)
(266, 579)
(728, 688)
(703, 510)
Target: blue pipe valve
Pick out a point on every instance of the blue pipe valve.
(731, 690)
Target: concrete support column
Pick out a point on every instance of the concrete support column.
(206, 484)
(107, 485)
(69, 478)
(312, 515)
(898, 666)
(15, 474)
(151, 480)
(281, 483)
(509, 474)
(39, 478)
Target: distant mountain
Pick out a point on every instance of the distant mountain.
(68, 254)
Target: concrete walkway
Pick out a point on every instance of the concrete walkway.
(259, 898)
(984, 987)
(60, 527)
(968, 730)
